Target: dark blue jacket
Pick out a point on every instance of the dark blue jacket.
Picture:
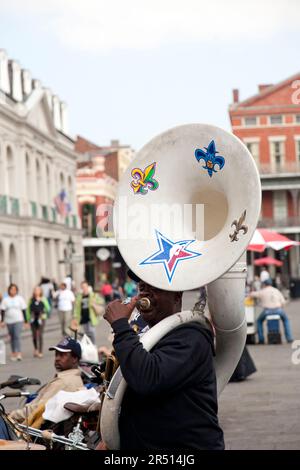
(171, 399)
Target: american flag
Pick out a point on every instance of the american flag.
(63, 207)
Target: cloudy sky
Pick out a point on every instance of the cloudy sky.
(130, 69)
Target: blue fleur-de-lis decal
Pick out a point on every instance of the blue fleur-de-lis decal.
(210, 158)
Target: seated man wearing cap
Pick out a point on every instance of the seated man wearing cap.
(171, 399)
(67, 378)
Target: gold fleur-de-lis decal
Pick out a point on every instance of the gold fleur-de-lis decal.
(143, 179)
(239, 225)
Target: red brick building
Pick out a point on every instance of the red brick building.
(98, 171)
(269, 125)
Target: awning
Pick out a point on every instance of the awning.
(86, 242)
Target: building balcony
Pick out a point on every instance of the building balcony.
(14, 206)
(54, 214)
(3, 205)
(270, 222)
(33, 209)
(9, 206)
(45, 213)
(278, 170)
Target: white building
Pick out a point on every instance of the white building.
(37, 161)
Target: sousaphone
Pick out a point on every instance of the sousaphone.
(185, 212)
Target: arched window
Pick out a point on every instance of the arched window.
(10, 164)
(28, 177)
(3, 280)
(70, 191)
(38, 181)
(61, 182)
(48, 185)
(13, 266)
(2, 172)
(1, 255)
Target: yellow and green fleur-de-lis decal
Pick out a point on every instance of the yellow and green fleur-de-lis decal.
(143, 180)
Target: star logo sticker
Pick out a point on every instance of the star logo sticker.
(170, 253)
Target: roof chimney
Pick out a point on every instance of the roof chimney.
(4, 77)
(27, 82)
(64, 117)
(56, 112)
(262, 88)
(16, 84)
(235, 94)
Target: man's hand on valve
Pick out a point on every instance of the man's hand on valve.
(116, 310)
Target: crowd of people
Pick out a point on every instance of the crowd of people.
(78, 310)
(190, 390)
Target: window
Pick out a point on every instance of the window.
(253, 148)
(298, 150)
(277, 154)
(280, 205)
(89, 220)
(277, 119)
(298, 118)
(250, 121)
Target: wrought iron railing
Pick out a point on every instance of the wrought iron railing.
(286, 167)
(54, 214)
(34, 212)
(14, 206)
(269, 222)
(3, 205)
(45, 215)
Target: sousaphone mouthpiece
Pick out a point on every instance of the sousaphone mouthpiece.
(143, 303)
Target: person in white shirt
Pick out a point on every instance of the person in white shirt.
(272, 301)
(65, 304)
(69, 282)
(264, 275)
(13, 314)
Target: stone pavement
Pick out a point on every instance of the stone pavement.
(263, 412)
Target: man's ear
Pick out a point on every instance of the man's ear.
(75, 361)
(178, 297)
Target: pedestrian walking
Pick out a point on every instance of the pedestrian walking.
(65, 302)
(37, 312)
(117, 292)
(264, 275)
(47, 289)
(87, 310)
(107, 291)
(13, 314)
(130, 288)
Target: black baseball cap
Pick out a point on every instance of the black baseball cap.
(68, 344)
(133, 276)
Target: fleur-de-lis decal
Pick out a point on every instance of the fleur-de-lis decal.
(143, 180)
(239, 225)
(210, 158)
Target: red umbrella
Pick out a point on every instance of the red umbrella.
(267, 261)
(264, 238)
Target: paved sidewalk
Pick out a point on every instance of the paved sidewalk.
(263, 412)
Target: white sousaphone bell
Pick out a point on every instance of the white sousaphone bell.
(185, 212)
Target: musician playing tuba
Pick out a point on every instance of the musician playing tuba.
(171, 397)
(164, 395)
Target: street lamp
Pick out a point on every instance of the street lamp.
(70, 245)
